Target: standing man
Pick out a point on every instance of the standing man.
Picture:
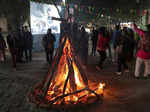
(115, 36)
(94, 41)
(48, 43)
(11, 41)
(83, 47)
(28, 42)
(2, 45)
(20, 45)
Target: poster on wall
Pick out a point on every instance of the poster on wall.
(41, 18)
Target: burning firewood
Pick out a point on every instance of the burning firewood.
(66, 83)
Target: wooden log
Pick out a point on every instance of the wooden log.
(76, 92)
(72, 75)
(74, 58)
(53, 1)
(82, 73)
(91, 91)
(65, 95)
(51, 74)
(66, 81)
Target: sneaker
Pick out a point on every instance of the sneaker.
(118, 73)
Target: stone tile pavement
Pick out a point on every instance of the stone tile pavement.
(122, 93)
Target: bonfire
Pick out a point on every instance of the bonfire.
(66, 83)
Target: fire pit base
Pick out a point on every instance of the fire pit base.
(66, 85)
(36, 99)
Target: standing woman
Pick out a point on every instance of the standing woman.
(143, 52)
(11, 40)
(94, 41)
(102, 45)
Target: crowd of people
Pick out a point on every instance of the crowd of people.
(122, 45)
(20, 43)
(125, 46)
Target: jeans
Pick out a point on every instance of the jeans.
(13, 53)
(93, 48)
(139, 62)
(49, 55)
(109, 51)
(122, 63)
(20, 54)
(102, 57)
(28, 54)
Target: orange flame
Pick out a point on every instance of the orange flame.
(56, 87)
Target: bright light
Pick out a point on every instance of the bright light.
(64, 1)
(87, 30)
(41, 18)
(127, 24)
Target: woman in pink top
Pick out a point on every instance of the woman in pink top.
(143, 52)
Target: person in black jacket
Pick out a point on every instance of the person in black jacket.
(2, 45)
(28, 42)
(122, 47)
(48, 43)
(11, 40)
(19, 45)
(83, 47)
(94, 41)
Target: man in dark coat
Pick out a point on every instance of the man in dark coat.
(28, 42)
(2, 44)
(122, 48)
(11, 41)
(94, 41)
(48, 43)
(115, 36)
(20, 45)
(83, 47)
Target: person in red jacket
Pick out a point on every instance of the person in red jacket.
(143, 52)
(102, 45)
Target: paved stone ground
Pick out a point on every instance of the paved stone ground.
(122, 93)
